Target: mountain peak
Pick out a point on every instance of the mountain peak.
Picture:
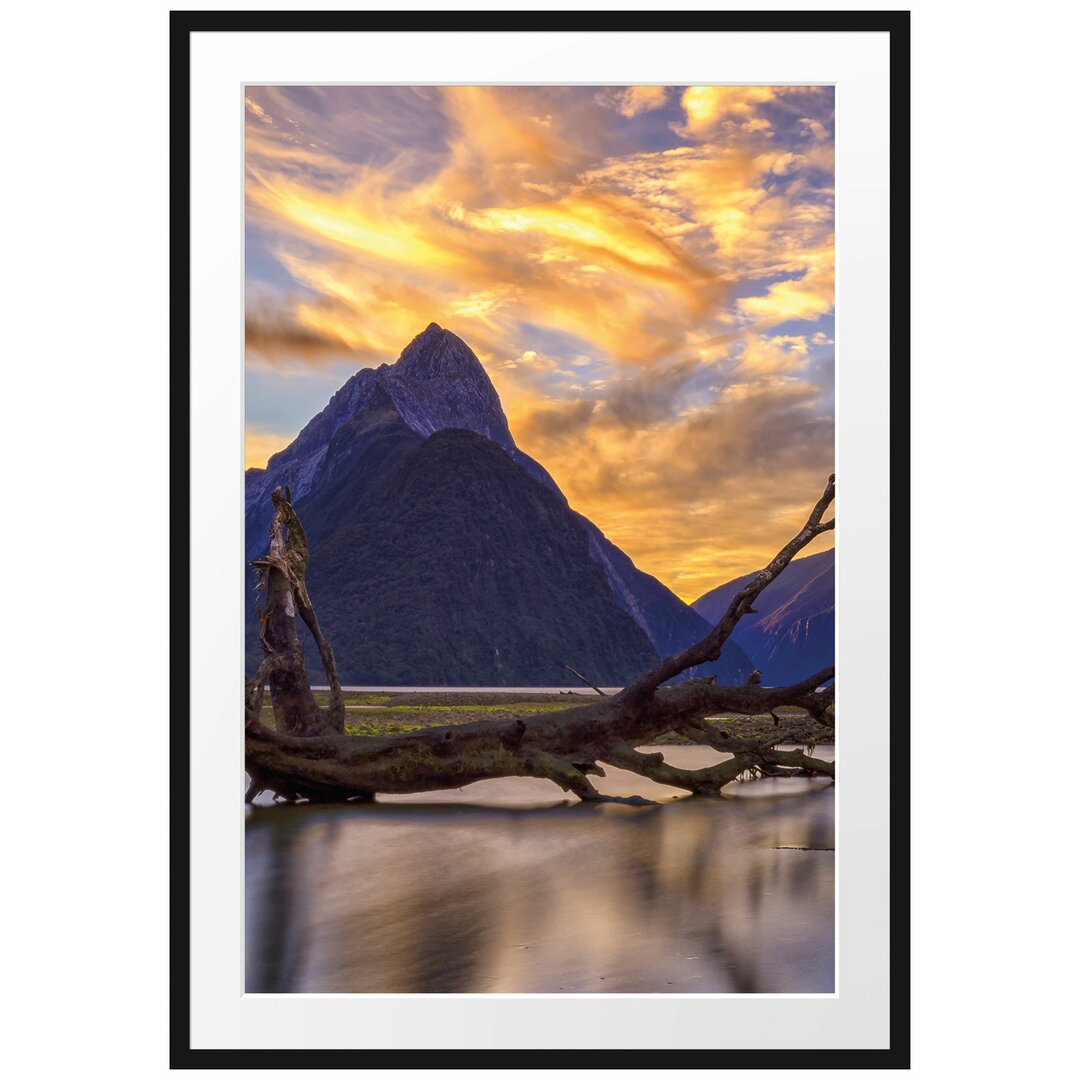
(438, 384)
(438, 354)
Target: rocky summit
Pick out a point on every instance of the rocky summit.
(436, 383)
(442, 554)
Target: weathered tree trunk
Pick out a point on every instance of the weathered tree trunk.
(281, 581)
(309, 756)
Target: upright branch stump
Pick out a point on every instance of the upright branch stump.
(281, 574)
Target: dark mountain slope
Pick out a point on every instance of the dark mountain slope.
(446, 564)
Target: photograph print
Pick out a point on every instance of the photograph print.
(539, 525)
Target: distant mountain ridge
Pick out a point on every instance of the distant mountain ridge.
(793, 633)
(438, 385)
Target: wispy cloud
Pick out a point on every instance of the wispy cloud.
(646, 272)
(632, 100)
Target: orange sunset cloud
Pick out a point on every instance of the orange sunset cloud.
(646, 274)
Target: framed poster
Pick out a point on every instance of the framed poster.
(514, 357)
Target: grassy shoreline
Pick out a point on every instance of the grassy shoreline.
(393, 713)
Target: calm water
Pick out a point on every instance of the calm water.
(510, 886)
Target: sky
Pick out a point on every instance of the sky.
(646, 274)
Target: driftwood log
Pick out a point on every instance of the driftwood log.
(309, 756)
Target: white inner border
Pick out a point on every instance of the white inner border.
(222, 1016)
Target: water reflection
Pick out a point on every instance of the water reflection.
(503, 887)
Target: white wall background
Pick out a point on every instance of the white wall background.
(84, 428)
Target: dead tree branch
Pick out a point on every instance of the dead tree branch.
(585, 681)
(742, 602)
(307, 755)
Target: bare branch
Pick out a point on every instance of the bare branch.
(707, 781)
(709, 647)
(798, 760)
(586, 681)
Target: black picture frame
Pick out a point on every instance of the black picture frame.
(894, 23)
